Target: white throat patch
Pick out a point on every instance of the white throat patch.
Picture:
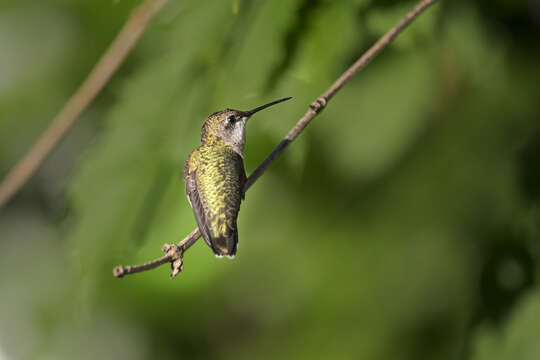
(238, 137)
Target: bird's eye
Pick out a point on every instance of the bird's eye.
(231, 119)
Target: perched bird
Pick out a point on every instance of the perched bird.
(215, 177)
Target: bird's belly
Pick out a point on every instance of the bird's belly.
(220, 188)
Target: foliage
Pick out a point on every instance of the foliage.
(402, 224)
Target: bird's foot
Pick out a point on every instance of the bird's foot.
(175, 253)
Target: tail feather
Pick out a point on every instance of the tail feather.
(225, 246)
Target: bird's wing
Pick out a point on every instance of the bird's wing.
(192, 193)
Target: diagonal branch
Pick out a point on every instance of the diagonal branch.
(174, 253)
(79, 101)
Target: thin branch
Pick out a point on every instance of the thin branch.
(175, 256)
(79, 101)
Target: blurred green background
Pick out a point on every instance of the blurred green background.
(402, 224)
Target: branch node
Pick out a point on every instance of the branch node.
(174, 253)
(319, 104)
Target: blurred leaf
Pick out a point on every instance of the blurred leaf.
(378, 226)
(517, 340)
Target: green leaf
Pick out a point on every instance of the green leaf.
(518, 340)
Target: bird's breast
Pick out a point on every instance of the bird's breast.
(220, 181)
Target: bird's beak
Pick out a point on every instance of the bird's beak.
(249, 113)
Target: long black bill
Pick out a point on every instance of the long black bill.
(251, 112)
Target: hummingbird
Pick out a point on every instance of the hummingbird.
(215, 177)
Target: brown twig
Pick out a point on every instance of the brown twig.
(174, 256)
(79, 101)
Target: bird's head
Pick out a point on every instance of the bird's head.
(229, 125)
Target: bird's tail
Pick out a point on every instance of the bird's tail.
(225, 245)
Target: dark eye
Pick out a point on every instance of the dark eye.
(231, 119)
